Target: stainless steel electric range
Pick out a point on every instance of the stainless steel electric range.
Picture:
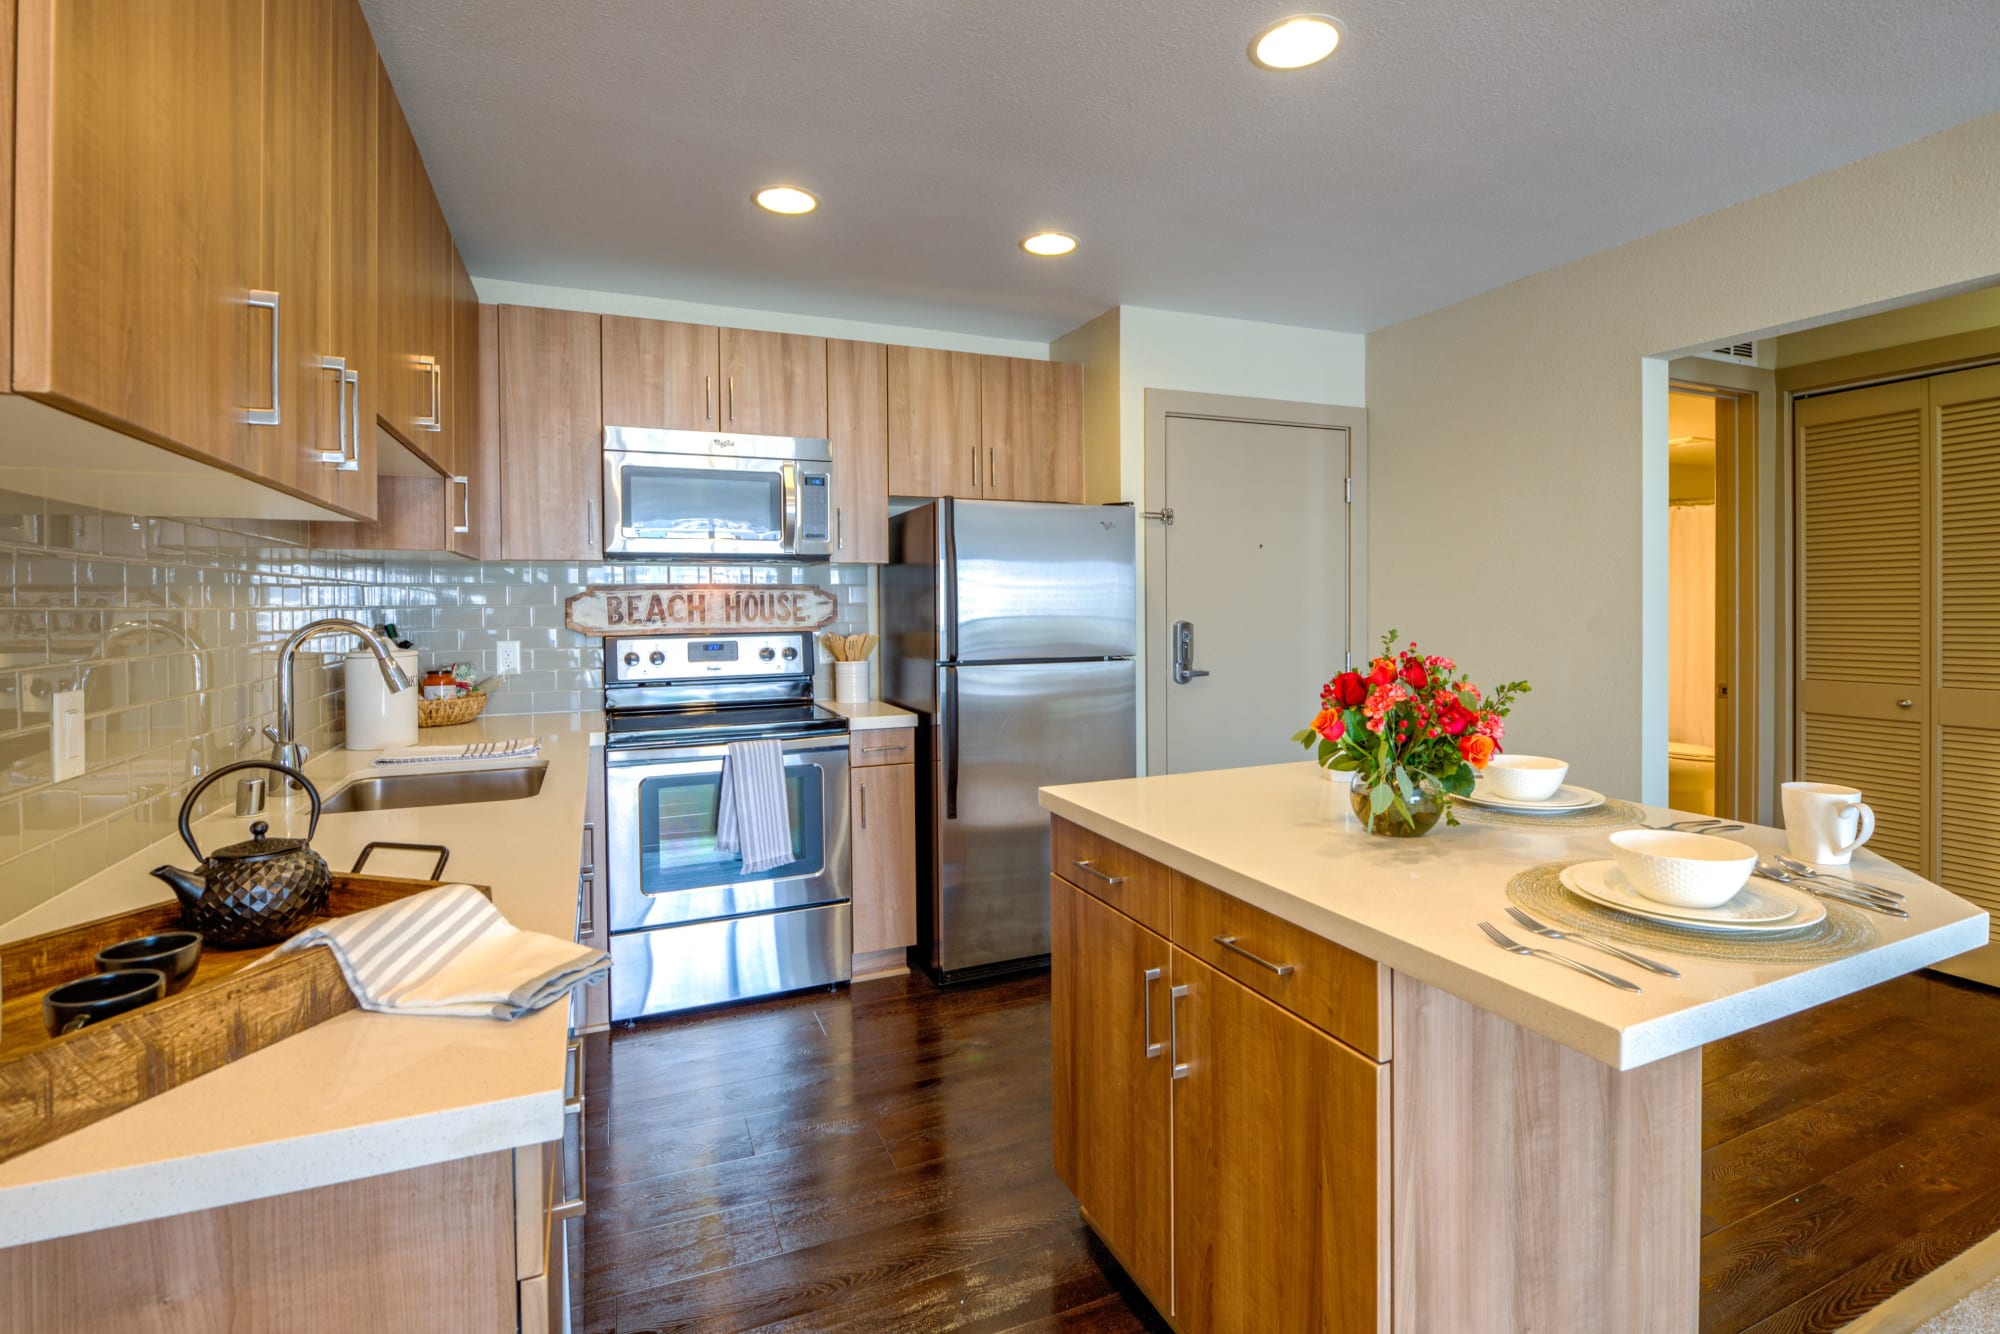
(688, 928)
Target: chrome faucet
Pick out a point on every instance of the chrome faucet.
(286, 748)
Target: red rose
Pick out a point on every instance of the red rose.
(1414, 673)
(1348, 690)
(1457, 718)
(1329, 725)
(1382, 671)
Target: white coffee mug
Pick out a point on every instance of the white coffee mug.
(1825, 822)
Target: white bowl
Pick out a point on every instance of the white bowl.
(1525, 777)
(1685, 870)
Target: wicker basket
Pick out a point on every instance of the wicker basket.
(449, 712)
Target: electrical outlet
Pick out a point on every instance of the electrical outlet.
(510, 657)
(66, 734)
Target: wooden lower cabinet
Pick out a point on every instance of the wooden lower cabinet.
(883, 813)
(1230, 1155)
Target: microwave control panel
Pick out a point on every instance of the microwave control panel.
(814, 507)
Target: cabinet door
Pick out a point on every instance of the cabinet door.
(139, 226)
(857, 410)
(884, 809)
(435, 299)
(475, 448)
(403, 378)
(349, 306)
(773, 383)
(1112, 1076)
(1031, 429)
(933, 423)
(1280, 1168)
(661, 374)
(551, 435)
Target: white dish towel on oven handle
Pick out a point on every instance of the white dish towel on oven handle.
(753, 814)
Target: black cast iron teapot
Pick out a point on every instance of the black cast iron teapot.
(257, 892)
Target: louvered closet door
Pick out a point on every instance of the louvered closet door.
(1966, 409)
(1863, 632)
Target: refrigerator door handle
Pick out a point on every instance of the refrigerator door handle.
(950, 721)
(948, 577)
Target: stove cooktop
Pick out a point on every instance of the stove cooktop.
(710, 725)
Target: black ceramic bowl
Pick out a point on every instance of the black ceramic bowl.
(174, 953)
(89, 1000)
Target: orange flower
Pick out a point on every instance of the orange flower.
(1477, 750)
(1329, 725)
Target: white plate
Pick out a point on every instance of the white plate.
(1568, 798)
(1758, 906)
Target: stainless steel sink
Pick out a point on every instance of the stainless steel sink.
(393, 792)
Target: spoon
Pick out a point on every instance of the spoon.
(1853, 898)
(1805, 870)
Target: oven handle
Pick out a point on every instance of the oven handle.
(790, 472)
(628, 756)
(950, 721)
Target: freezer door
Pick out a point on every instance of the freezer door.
(1039, 581)
(1004, 733)
(912, 616)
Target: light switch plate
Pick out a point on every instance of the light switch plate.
(66, 733)
(510, 657)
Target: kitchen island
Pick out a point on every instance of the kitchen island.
(435, 1140)
(1296, 1088)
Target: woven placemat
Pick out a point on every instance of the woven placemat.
(1843, 931)
(1613, 814)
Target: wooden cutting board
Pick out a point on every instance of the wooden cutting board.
(51, 1086)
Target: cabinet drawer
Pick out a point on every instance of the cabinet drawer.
(1136, 885)
(1327, 985)
(882, 745)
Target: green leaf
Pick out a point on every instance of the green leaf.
(1304, 737)
(1459, 781)
(1344, 763)
(1409, 791)
(1379, 798)
(1465, 698)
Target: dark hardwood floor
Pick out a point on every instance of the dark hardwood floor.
(877, 1159)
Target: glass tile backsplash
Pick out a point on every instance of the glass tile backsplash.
(171, 628)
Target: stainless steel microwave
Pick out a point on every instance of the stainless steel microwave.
(694, 493)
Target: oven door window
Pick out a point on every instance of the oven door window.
(677, 852)
(704, 503)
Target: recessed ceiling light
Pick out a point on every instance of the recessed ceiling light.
(786, 199)
(1296, 42)
(1048, 244)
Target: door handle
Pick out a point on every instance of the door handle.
(350, 391)
(464, 525)
(1146, 1004)
(708, 398)
(427, 366)
(268, 416)
(864, 805)
(950, 743)
(338, 365)
(1183, 647)
(732, 398)
(1174, 1029)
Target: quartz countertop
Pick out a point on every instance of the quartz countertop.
(362, 1093)
(1282, 837)
(871, 714)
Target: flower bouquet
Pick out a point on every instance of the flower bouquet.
(1412, 731)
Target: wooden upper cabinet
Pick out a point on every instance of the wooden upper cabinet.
(139, 220)
(1031, 429)
(933, 422)
(857, 410)
(475, 447)
(349, 304)
(413, 289)
(661, 375)
(1113, 1075)
(551, 434)
(773, 383)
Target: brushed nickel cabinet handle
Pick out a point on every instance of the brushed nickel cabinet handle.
(270, 416)
(575, 1206)
(589, 846)
(464, 525)
(839, 529)
(989, 465)
(1229, 943)
(1088, 869)
(708, 398)
(1153, 1048)
(1906, 704)
(586, 921)
(350, 394)
(732, 398)
(336, 457)
(427, 366)
(864, 805)
(1174, 1029)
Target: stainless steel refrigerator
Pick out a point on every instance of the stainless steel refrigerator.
(1009, 626)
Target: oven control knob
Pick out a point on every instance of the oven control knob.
(766, 654)
(631, 660)
(791, 655)
(658, 659)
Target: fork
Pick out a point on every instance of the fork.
(1806, 871)
(1852, 898)
(1548, 932)
(1694, 827)
(1512, 947)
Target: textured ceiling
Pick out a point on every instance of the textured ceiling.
(1447, 148)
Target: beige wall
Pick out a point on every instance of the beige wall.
(1534, 419)
(1964, 312)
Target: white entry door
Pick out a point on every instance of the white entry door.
(1256, 573)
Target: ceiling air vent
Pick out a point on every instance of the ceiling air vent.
(1744, 353)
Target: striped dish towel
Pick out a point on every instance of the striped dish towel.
(520, 748)
(753, 815)
(448, 951)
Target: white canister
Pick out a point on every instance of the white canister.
(850, 682)
(377, 719)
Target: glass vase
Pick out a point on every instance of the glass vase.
(1425, 811)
